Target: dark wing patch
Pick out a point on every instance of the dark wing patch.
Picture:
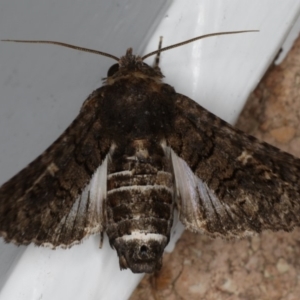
(37, 202)
(229, 183)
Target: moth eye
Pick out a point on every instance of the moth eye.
(112, 70)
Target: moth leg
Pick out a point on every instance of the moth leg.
(101, 239)
(157, 57)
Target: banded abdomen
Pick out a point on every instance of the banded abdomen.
(139, 204)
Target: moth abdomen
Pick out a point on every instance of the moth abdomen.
(139, 205)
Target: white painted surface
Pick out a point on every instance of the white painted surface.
(42, 88)
(220, 72)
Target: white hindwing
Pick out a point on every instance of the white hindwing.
(87, 212)
(197, 204)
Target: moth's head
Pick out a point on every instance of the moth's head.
(132, 65)
(140, 255)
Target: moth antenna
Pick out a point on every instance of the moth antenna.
(65, 45)
(157, 58)
(193, 40)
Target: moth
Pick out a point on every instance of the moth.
(136, 151)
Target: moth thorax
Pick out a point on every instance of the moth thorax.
(141, 252)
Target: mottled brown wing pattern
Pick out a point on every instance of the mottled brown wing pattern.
(43, 202)
(229, 183)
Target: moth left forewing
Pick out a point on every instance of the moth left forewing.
(229, 183)
(53, 201)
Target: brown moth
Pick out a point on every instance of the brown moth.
(136, 151)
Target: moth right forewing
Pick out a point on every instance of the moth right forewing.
(237, 185)
(36, 200)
